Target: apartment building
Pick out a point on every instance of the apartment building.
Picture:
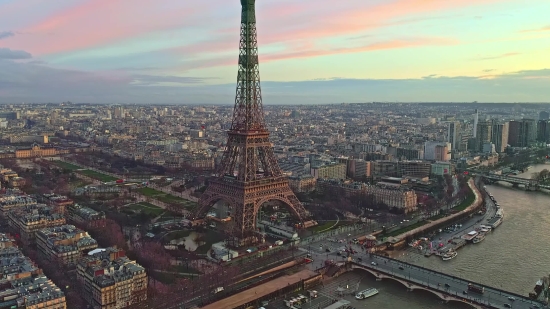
(22, 284)
(330, 171)
(29, 219)
(65, 243)
(415, 168)
(84, 216)
(393, 196)
(111, 280)
(59, 202)
(302, 183)
(14, 201)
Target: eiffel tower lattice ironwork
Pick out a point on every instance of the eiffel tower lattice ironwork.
(249, 174)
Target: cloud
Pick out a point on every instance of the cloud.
(506, 55)
(155, 80)
(299, 50)
(28, 82)
(6, 53)
(382, 45)
(488, 70)
(545, 28)
(77, 27)
(6, 34)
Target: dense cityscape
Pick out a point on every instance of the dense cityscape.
(266, 206)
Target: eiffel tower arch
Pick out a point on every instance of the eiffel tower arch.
(249, 174)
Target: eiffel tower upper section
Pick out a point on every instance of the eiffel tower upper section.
(249, 154)
(249, 174)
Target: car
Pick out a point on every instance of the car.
(401, 267)
(511, 298)
(373, 263)
(327, 250)
(507, 306)
(447, 285)
(359, 259)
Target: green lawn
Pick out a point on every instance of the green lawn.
(149, 192)
(167, 198)
(406, 229)
(146, 208)
(67, 165)
(98, 176)
(436, 217)
(322, 227)
(467, 201)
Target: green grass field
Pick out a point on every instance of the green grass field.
(324, 226)
(406, 229)
(67, 165)
(167, 198)
(98, 176)
(146, 208)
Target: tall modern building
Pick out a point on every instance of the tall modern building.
(543, 131)
(437, 151)
(499, 136)
(476, 119)
(453, 134)
(483, 134)
(522, 133)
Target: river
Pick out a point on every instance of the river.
(513, 257)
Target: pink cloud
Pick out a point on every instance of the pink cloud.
(393, 44)
(310, 50)
(302, 23)
(100, 22)
(345, 19)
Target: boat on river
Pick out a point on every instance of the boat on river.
(366, 293)
(449, 255)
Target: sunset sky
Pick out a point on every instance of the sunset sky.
(311, 51)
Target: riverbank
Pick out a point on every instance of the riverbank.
(431, 225)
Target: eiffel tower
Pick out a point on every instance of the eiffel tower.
(249, 174)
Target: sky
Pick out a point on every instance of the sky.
(311, 51)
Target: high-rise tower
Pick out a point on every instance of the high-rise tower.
(249, 174)
(476, 119)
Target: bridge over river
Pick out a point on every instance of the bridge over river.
(444, 286)
(530, 184)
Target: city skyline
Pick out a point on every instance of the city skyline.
(310, 52)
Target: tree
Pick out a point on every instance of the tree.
(153, 255)
(110, 235)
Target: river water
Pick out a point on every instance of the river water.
(512, 257)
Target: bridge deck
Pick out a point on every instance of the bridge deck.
(415, 277)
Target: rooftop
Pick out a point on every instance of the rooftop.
(260, 291)
(66, 238)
